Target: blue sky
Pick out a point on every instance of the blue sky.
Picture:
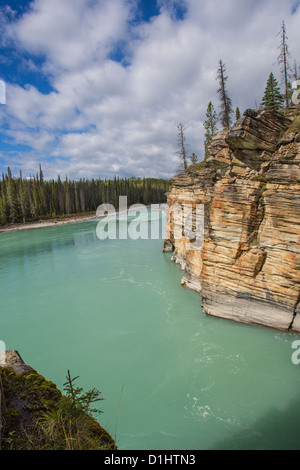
(96, 88)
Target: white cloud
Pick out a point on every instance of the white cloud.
(105, 118)
(71, 33)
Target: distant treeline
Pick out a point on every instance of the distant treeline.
(26, 200)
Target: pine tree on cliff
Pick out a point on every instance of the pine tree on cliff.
(226, 104)
(282, 60)
(273, 98)
(296, 72)
(181, 145)
(210, 126)
(237, 113)
(194, 158)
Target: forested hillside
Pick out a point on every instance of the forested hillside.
(25, 200)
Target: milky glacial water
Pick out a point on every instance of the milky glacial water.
(114, 313)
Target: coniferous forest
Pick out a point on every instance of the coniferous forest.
(28, 200)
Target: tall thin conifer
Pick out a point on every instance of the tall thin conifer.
(226, 104)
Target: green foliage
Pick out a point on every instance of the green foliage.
(226, 104)
(23, 200)
(69, 425)
(210, 126)
(76, 400)
(183, 159)
(237, 113)
(39, 417)
(272, 98)
(295, 126)
(194, 158)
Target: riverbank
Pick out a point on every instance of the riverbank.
(47, 223)
(62, 221)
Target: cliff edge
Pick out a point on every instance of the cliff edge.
(35, 415)
(248, 267)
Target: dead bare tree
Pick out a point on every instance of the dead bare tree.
(282, 61)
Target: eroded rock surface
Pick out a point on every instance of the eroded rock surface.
(248, 268)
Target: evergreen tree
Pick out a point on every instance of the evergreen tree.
(295, 73)
(35, 197)
(32, 207)
(210, 126)
(181, 145)
(237, 113)
(3, 209)
(41, 175)
(226, 104)
(292, 86)
(11, 197)
(28, 200)
(272, 98)
(193, 158)
(22, 199)
(67, 196)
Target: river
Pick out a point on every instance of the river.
(113, 312)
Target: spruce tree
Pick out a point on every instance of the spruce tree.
(32, 208)
(3, 209)
(237, 113)
(272, 98)
(25, 200)
(296, 72)
(21, 197)
(182, 147)
(226, 104)
(194, 158)
(11, 197)
(210, 126)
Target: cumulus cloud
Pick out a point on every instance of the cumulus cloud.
(120, 86)
(71, 33)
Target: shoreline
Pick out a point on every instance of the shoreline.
(46, 223)
(55, 222)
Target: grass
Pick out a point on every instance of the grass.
(295, 126)
(40, 417)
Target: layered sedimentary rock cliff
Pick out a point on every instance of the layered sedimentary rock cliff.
(248, 267)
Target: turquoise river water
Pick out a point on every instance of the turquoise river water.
(113, 312)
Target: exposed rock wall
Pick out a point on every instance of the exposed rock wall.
(248, 268)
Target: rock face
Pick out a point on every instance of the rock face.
(248, 267)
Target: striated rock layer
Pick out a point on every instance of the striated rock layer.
(248, 266)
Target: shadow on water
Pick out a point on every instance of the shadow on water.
(28, 243)
(276, 430)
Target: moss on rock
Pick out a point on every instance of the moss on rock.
(38, 416)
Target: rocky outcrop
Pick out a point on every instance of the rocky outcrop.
(35, 415)
(248, 267)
